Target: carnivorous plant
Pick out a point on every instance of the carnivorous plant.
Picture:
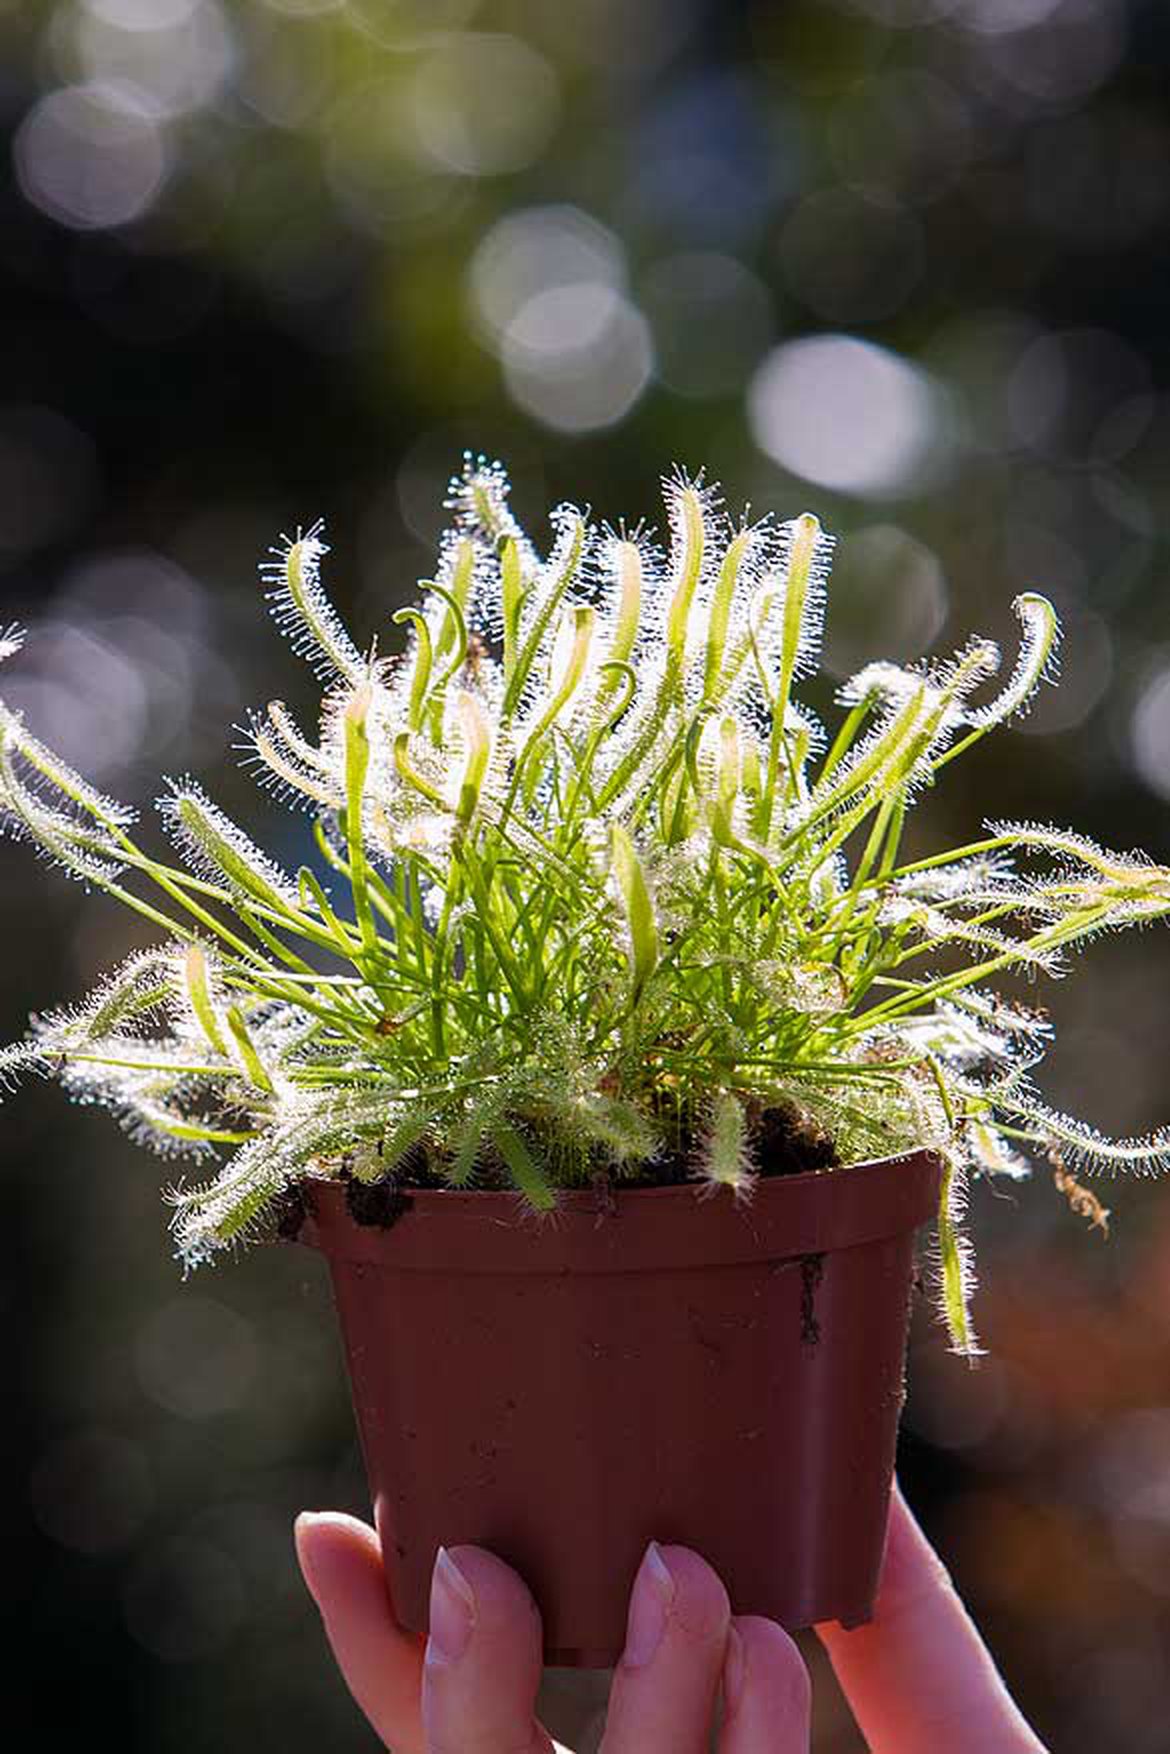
(592, 893)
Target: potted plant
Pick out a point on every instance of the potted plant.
(609, 1047)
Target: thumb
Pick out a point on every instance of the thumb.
(919, 1678)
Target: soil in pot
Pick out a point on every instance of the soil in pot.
(785, 1141)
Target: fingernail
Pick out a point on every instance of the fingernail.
(649, 1606)
(303, 1528)
(733, 1670)
(452, 1611)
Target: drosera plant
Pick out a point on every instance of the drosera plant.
(602, 898)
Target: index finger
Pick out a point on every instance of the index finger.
(919, 1677)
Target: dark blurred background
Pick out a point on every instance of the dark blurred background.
(900, 261)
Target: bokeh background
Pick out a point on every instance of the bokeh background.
(900, 261)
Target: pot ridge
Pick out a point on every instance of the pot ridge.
(651, 1229)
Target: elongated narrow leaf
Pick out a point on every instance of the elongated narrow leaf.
(420, 675)
(628, 574)
(302, 609)
(637, 904)
(719, 619)
(1036, 661)
(688, 530)
(249, 1058)
(215, 845)
(357, 767)
(523, 1168)
(954, 1253)
(196, 976)
(477, 736)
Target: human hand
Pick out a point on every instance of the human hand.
(918, 1677)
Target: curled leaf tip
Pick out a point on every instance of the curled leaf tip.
(358, 705)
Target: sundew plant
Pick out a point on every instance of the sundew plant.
(593, 897)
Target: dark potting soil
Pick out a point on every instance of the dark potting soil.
(288, 1211)
(787, 1142)
(376, 1205)
(784, 1141)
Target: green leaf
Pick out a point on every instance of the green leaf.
(525, 1172)
(956, 1287)
(199, 993)
(798, 603)
(423, 658)
(251, 1060)
(357, 766)
(543, 617)
(628, 570)
(720, 615)
(477, 733)
(638, 906)
(384, 1157)
(690, 540)
(511, 598)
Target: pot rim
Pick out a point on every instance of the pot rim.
(651, 1228)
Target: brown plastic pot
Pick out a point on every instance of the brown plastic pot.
(684, 1368)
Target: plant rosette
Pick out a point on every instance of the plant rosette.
(607, 1044)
